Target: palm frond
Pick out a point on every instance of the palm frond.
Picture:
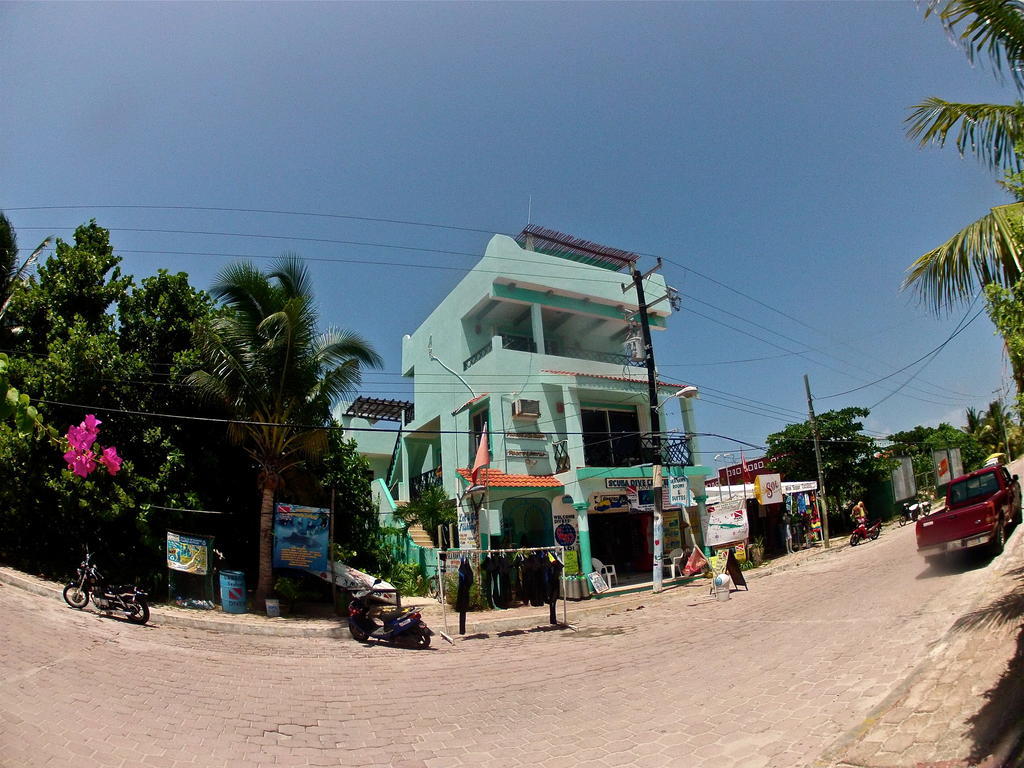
(987, 130)
(984, 252)
(292, 275)
(992, 28)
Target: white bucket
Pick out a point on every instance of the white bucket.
(723, 585)
(273, 607)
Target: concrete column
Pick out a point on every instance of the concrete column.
(537, 320)
(583, 526)
(573, 426)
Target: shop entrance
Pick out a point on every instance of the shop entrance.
(623, 539)
(525, 523)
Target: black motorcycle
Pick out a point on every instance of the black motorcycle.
(127, 599)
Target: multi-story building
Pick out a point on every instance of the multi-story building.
(529, 350)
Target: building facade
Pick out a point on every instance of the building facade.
(529, 350)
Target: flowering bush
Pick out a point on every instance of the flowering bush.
(82, 459)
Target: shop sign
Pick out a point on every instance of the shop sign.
(768, 489)
(564, 525)
(626, 482)
(679, 492)
(468, 520)
(740, 550)
(188, 554)
(610, 503)
(673, 530)
(727, 526)
(300, 536)
(597, 582)
(801, 486)
(527, 454)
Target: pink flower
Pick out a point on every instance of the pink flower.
(111, 460)
(80, 439)
(91, 424)
(83, 464)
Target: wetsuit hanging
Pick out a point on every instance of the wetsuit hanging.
(553, 577)
(462, 597)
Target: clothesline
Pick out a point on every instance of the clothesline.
(499, 551)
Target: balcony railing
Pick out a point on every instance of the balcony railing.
(603, 449)
(518, 343)
(429, 479)
(675, 450)
(558, 349)
(477, 356)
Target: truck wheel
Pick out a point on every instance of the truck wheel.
(998, 539)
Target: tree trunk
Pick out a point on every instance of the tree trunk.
(265, 585)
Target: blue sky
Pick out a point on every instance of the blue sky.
(758, 144)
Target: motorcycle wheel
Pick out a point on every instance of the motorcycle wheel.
(903, 521)
(138, 612)
(422, 638)
(75, 596)
(854, 540)
(358, 633)
(876, 533)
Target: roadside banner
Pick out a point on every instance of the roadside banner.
(301, 537)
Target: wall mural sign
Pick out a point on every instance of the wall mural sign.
(188, 554)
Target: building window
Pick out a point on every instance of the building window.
(477, 428)
(611, 438)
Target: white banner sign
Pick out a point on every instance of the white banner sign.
(726, 526)
(801, 486)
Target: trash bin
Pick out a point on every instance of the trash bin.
(232, 591)
(723, 585)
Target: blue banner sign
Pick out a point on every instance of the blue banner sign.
(301, 537)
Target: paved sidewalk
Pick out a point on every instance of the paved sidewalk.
(961, 706)
(512, 620)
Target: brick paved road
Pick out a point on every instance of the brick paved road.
(769, 678)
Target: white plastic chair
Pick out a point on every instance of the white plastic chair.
(674, 562)
(607, 571)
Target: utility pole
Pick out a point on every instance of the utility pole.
(652, 395)
(817, 455)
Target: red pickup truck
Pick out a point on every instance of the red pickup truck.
(980, 507)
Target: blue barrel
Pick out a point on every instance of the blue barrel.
(232, 591)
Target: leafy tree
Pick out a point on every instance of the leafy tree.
(919, 442)
(357, 531)
(848, 456)
(265, 363)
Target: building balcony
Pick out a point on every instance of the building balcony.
(420, 483)
(552, 347)
(616, 450)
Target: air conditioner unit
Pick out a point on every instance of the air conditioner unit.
(526, 408)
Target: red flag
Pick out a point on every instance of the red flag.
(695, 563)
(482, 458)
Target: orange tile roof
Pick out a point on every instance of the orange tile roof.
(612, 378)
(498, 479)
(470, 402)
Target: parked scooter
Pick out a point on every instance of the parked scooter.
(126, 599)
(399, 626)
(864, 531)
(911, 510)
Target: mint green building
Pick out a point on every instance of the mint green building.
(528, 349)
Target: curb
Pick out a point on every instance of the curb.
(159, 615)
(326, 628)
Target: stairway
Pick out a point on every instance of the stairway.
(420, 537)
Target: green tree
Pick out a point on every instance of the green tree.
(431, 508)
(265, 362)
(919, 442)
(848, 456)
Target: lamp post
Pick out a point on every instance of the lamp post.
(727, 458)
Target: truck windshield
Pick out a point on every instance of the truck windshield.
(973, 488)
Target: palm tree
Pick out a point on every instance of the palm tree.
(11, 272)
(264, 359)
(974, 423)
(988, 250)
